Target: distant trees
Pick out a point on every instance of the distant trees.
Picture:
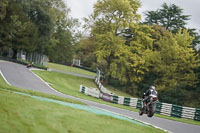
(85, 52)
(135, 56)
(178, 70)
(171, 17)
(42, 26)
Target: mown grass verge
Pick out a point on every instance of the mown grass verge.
(84, 72)
(70, 85)
(20, 113)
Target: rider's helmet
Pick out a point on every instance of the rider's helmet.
(153, 87)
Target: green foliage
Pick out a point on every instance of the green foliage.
(175, 61)
(137, 56)
(62, 52)
(169, 16)
(4, 4)
(85, 52)
(109, 17)
(38, 26)
(173, 96)
(196, 41)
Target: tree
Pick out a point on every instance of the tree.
(196, 41)
(3, 6)
(37, 26)
(174, 63)
(109, 16)
(85, 52)
(17, 31)
(169, 16)
(63, 51)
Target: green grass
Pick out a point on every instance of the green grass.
(117, 91)
(5, 86)
(70, 69)
(80, 71)
(70, 85)
(20, 113)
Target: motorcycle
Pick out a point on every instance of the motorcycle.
(150, 107)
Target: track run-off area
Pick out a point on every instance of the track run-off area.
(19, 76)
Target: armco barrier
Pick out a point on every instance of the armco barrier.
(166, 109)
(188, 112)
(139, 103)
(127, 101)
(106, 97)
(90, 91)
(82, 89)
(158, 107)
(197, 115)
(100, 85)
(115, 99)
(133, 102)
(93, 92)
(161, 108)
(103, 89)
(120, 100)
(176, 111)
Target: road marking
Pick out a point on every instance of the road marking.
(4, 78)
(46, 83)
(135, 119)
(105, 109)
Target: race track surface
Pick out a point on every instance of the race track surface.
(19, 76)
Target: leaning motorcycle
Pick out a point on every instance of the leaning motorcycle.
(150, 107)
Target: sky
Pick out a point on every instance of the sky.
(83, 8)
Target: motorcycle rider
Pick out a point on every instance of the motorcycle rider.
(147, 95)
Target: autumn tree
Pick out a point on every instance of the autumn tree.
(173, 65)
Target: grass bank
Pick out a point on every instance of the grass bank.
(70, 85)
(84, 72)
(20, 113)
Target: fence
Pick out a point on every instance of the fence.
(76, 62)
(36, 58)
(161, 108)
(90, 91)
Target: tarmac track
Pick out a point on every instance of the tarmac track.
(19, 76)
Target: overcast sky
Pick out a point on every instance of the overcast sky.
(83, 8)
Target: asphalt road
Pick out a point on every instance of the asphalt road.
(19, 76)
(71, 73)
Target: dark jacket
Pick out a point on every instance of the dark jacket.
(149, 92)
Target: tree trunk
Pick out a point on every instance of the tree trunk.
(31, 59)
(14, 54)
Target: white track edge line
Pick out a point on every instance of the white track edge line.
(134, 119)
(46, 83)
(4, 78)
(105, 109)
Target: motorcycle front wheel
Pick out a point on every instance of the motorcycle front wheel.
(150, 113)
(141, 111)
